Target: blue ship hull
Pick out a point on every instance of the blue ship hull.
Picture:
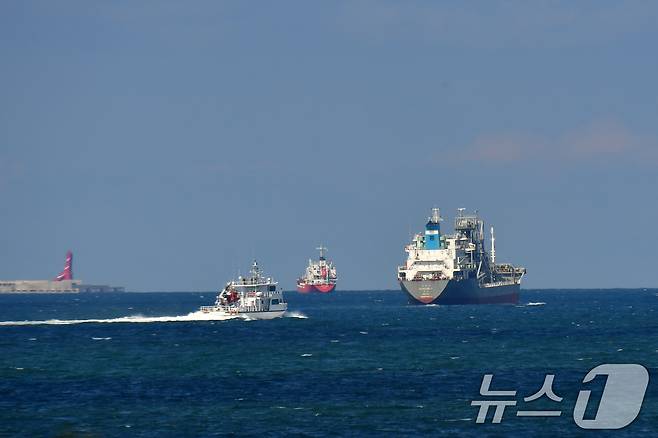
(459, 292)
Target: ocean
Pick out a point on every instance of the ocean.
(341, 364)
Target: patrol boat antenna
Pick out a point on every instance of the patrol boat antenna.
(493, 247)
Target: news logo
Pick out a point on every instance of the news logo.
(619, 405)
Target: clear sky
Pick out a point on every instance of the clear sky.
(168, 143)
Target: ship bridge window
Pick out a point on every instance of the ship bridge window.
(274, 301)
(272, 288)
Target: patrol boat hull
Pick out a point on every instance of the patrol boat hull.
(221, 314)
(459, 292)
(264, 315)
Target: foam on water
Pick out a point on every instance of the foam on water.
(194, 316)
(536, 304)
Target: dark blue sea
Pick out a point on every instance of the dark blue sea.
(343, 364)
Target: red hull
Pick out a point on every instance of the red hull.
(324, 288)
(320, 288)
(304, 288)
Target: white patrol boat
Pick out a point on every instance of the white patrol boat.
(253, 297)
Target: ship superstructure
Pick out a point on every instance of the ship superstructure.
(456, 268)
(319, 276)
(253, 296)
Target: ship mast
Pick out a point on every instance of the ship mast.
(493, 247)
(255, 272)
(322, 249)
(436, 215)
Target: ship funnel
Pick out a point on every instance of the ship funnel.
(433, 230)
(67, 273)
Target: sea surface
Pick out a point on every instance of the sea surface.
(341, 364)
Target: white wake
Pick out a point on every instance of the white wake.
(194, 316)
(137, 319)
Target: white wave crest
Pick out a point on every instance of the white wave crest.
(295, 314)
(536, 304)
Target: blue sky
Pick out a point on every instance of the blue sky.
(168, 143)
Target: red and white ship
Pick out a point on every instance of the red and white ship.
(320, 276)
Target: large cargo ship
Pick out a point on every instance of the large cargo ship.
(456, 268)
(63, 283)
(320, 276)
